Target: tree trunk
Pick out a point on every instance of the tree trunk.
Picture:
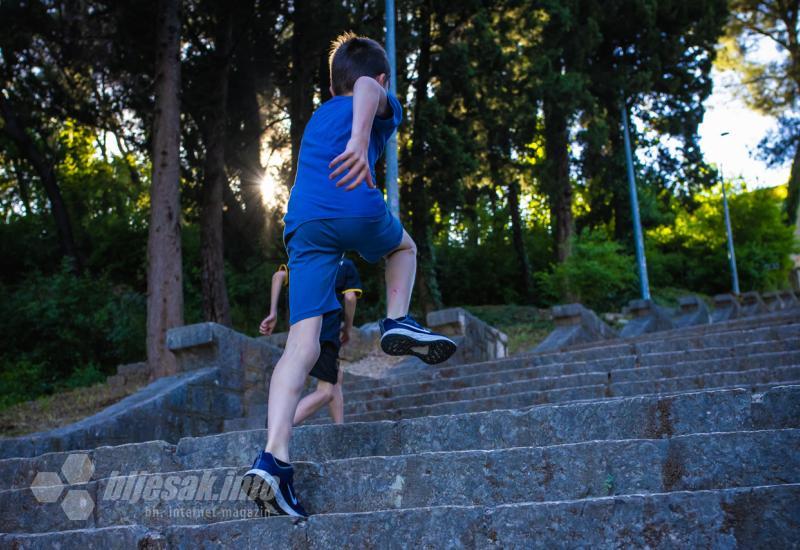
(215, 295)
(44, 168)
(427, 284)
(301, 95)
(164, 265)
(499, 149)
(471, 215)
(519, 243)
(793, 196)
(244, 154)
(24, 191)
(559, 188)
(323, 77)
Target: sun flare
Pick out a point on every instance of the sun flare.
(274, 192)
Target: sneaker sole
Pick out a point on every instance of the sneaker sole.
(402, 342)
(276, 502)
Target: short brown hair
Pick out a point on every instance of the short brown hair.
(352, 57)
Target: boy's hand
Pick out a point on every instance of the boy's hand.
(344, 335)
(354, 159)
(268, 325)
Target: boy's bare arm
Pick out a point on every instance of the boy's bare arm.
(369, 100)
(278, 281)
(350, 300)
(268, 324)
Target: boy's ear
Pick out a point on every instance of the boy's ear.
(383, 80)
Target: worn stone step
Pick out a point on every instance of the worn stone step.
(521, 370)
(256, 420)
(750, 517)
(539, 378)
(694, 336)
(518, 369)
(549, 377)
(619, 418)
(463, 478)
(760, 516)
(758, 379)
(781, 336)
(610, 378)
(740, 324)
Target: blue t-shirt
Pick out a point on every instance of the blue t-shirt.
(314, 196)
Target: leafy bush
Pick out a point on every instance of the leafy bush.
(488, 272)
(20, 380)
(63, 330)
(598, 274)
(692, 253)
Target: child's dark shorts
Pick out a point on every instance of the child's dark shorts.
(327, 366)
(315, 249)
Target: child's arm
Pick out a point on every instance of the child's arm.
(268, 324)
(369, 100)
(350, 300)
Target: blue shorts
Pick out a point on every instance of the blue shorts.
(315, 249)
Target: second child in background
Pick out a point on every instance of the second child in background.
(336, 330)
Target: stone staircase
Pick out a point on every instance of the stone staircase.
(683, 438)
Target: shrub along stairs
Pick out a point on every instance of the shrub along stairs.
(681, 438)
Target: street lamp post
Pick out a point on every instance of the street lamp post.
(731, 251)
(641, 260)
(392, 192)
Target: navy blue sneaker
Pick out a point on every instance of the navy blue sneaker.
(404, 336)
(269, 484)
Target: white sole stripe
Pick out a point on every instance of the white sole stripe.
(418, 336)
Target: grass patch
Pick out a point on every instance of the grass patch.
(61, 409)
(668, 296)
(526, 326)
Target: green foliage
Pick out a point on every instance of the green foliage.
(692, 252)
(769, 84)
(66, 330)
(84, 376)
(525, 326)
(599, 274)
(20, 380)
(487, 272)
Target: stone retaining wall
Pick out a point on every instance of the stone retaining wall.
(221, 374)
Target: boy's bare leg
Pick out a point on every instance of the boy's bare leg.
(401, 269)
(314, 401)
(336, 404)
(286, 384)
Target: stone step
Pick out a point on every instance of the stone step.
(783, 337)
(741, 324)
(744, 517)
(753, 379)
(465, 375)
(463, 478)
(519, 369)
(652, 341)
(646, 417)
(619, 418)
(742, 366)
(569, 373)
(749, 517)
